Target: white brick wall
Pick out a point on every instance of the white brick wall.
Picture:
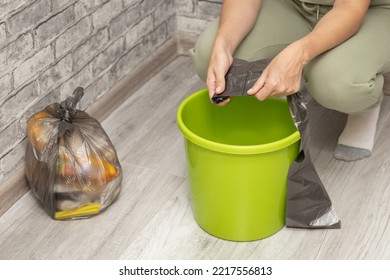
(194, 15)
(28, 17)
(86, 7)
(8, 6)
(6, 86)
(33, 65)
(102, 16)
(106, 57)
(56, 74)
(3, 35)
(55, 25)
(133, 36)
(49, 47)
(85, 52)
(15, 52)
(73, 36)
(124, 20)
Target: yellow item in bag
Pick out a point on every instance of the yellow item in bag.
(91, 209)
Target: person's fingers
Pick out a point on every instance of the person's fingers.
(215, 82)
(216, 86)
(258, 85)
(211, 83)
(220, 80)
(263, 87)
(264, 92)
(267, 86)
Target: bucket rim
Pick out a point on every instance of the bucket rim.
(227, 148)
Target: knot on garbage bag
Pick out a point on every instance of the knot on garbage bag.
(66, 111)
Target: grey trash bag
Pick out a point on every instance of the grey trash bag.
(308, 204)
(71, 164)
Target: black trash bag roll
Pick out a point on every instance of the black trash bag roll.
(71, 166)
(308, 204)
(241, 76)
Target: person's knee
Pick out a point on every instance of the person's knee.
(200, 54)
(340, 92)
(200, 60)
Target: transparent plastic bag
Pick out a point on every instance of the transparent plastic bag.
(71, 164)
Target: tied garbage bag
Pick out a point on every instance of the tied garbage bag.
(71, 165)
(308, 204)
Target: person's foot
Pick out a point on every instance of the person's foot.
(357, 139)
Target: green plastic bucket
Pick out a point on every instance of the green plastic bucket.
(238, 158)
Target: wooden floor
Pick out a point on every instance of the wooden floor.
(152, 218)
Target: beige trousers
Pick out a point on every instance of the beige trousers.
(347, 78)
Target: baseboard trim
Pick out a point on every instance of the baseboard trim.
(13, 189)
(16, 186)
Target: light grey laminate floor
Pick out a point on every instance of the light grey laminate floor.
(152, 218)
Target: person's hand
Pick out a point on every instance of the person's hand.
(282, 76)
(220, 62)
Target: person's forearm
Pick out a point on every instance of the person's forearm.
(338, 25)
(236, 20)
